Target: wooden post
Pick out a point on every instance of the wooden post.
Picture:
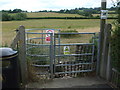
(107, 35)
(20, 38)
(109, 66)
(22, 55)
(102, 26)
(15, 41)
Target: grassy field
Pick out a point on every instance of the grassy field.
(51, 14)
(109, 15)
(81, 25)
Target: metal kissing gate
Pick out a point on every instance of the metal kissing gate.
(55, 54)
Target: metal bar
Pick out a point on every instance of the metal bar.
(51, 54)
(33, 38)
(93, 50)
(40, 65)
(59, 33)
(54, 55)
(75, 44)
(42, 37)
(73, 64)
(61, 44)
(76, 33)
(37, 60)
(73, 72)
(42, 73)
(35, 33)
(74, 54)
(33, 55)
(39, 29)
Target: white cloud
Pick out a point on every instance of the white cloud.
(36, 5)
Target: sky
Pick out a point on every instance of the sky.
(55, 5)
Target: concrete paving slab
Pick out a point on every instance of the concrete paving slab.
(68, 82)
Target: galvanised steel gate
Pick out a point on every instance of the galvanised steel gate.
(62, 54)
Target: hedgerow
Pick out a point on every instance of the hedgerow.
(115, 43)
(17, 16)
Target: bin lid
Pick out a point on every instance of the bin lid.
(6, 52)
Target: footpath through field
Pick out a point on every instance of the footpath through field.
(68, 82)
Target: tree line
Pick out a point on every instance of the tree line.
(19, 14)
(86, 11)
(14, 11)
(16, 14)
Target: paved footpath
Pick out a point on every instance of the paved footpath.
(68, 82)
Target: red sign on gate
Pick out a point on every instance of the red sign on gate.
(47, 38)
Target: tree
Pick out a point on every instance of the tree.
(115, 41)
(62, 11)
(118, 11)
(6, 17)
(20, 16)
(17, 11)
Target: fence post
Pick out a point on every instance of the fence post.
(107, 34)
(15, 41)
(109, 65)
(102, 27)
(22, 55)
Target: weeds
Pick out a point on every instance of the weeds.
(69, 35)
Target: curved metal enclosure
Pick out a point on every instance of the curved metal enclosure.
(50, 58)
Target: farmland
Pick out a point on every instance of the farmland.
(51, 14)
(81, 25)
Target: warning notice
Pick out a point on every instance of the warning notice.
(104, 14)
(47, 38)
(66, 50)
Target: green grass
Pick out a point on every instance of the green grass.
(51, 14)
(109, 15)
(8, 27)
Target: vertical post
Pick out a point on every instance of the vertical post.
(22, 56)
(109, 66)
(93, 51)
(42, 37)
(98, 53)
(51, 55)
(107, 35)
(102, 26)
(59, 46)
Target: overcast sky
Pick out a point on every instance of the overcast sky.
(37, 5)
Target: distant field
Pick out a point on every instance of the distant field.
(109, 15)
(81, 25)
(51, 14)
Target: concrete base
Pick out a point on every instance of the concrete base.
(68, 82)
